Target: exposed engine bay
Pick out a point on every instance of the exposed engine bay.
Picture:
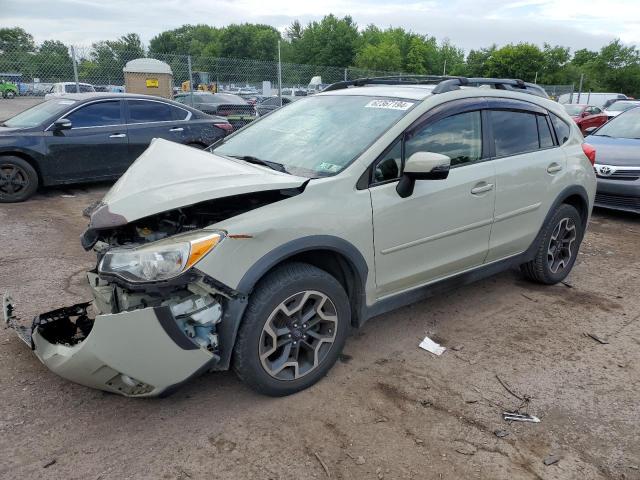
(184, 219)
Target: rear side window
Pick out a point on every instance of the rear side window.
(142, 111)
(546, 139)
(514, 132)
(561, 128)
(96, 115)
(458, 136)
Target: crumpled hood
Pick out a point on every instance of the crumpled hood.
(169, 175)
(615, 151)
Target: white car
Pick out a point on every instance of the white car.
(64, 88)
(264, 251)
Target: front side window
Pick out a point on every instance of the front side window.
(514, 132)
(458, 136)
(142, 111)
(317, 136)
(96, 115)
(389, 166)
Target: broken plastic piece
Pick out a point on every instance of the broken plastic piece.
(431, 346)
(519, 417)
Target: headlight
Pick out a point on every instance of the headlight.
(159, 260)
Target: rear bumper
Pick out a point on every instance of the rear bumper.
(618, 195)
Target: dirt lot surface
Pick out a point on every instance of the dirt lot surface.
(387, 410)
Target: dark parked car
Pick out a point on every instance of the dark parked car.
(586, 116)
(234, 108)
(92, 136)
(273, 103)
(617, 164)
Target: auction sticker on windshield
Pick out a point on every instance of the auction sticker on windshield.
(389, 104)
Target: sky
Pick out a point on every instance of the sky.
(466, 23)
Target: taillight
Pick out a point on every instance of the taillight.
(590, 152)
(227, 127)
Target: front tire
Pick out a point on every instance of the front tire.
(18, 179)
(557, 247)
(294, 328)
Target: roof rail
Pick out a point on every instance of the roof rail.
(444, 83)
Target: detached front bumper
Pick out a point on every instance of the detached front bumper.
(140, 353)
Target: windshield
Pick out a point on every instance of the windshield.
(622, 106)
(36, 115)
(317, 136)
(573, 109)
(625, 125)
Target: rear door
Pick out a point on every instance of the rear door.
(94, 146)
(149, 119)
(529, 173)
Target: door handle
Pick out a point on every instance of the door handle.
(117, 135)
(482, 188)
(554, 167)
(177, 129)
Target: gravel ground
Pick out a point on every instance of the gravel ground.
(386, 410)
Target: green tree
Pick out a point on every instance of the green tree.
(331, 41)
(476, 62)
(53, 62)
(383, 57)
(15, 39)
(515, 61)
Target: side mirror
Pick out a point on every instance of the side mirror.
(584, 114)
(61, 124)
(422, 166)
(590, 130)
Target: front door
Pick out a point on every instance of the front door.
(96, 142)
(443, 228)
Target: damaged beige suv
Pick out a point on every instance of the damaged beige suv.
(261, 253)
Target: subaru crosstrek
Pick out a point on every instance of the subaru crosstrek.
(262, 252)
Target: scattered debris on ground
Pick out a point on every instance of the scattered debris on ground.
(431, 346)
(519, 417)
(598, 339)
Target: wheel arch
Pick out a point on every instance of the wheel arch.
(574, 195)
(27, 158)
(334, 255)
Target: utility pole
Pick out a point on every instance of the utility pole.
(535, 80)
(190, 79)
(580, 87)
(444, 70)
(279, 75)
(75, 68)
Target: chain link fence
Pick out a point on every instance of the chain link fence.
(102, 66)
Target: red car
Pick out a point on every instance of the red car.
(586, 115)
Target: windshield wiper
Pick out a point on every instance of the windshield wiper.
(265, 163)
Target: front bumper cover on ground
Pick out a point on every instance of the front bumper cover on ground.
(135, 353)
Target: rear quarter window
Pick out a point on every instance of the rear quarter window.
(561, 128)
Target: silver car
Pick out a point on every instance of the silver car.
(263, 252)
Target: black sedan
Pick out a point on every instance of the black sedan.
(270, 104)
(617, 167)
(234, 108)
(87, 137)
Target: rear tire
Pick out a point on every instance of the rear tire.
(18, 179)
(294, 328)
(557, 247)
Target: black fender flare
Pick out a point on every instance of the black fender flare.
(300, 245)
(234, 307)
(567, 192)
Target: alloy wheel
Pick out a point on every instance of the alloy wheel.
(13, 179)
(561, 243)
(298, 335)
